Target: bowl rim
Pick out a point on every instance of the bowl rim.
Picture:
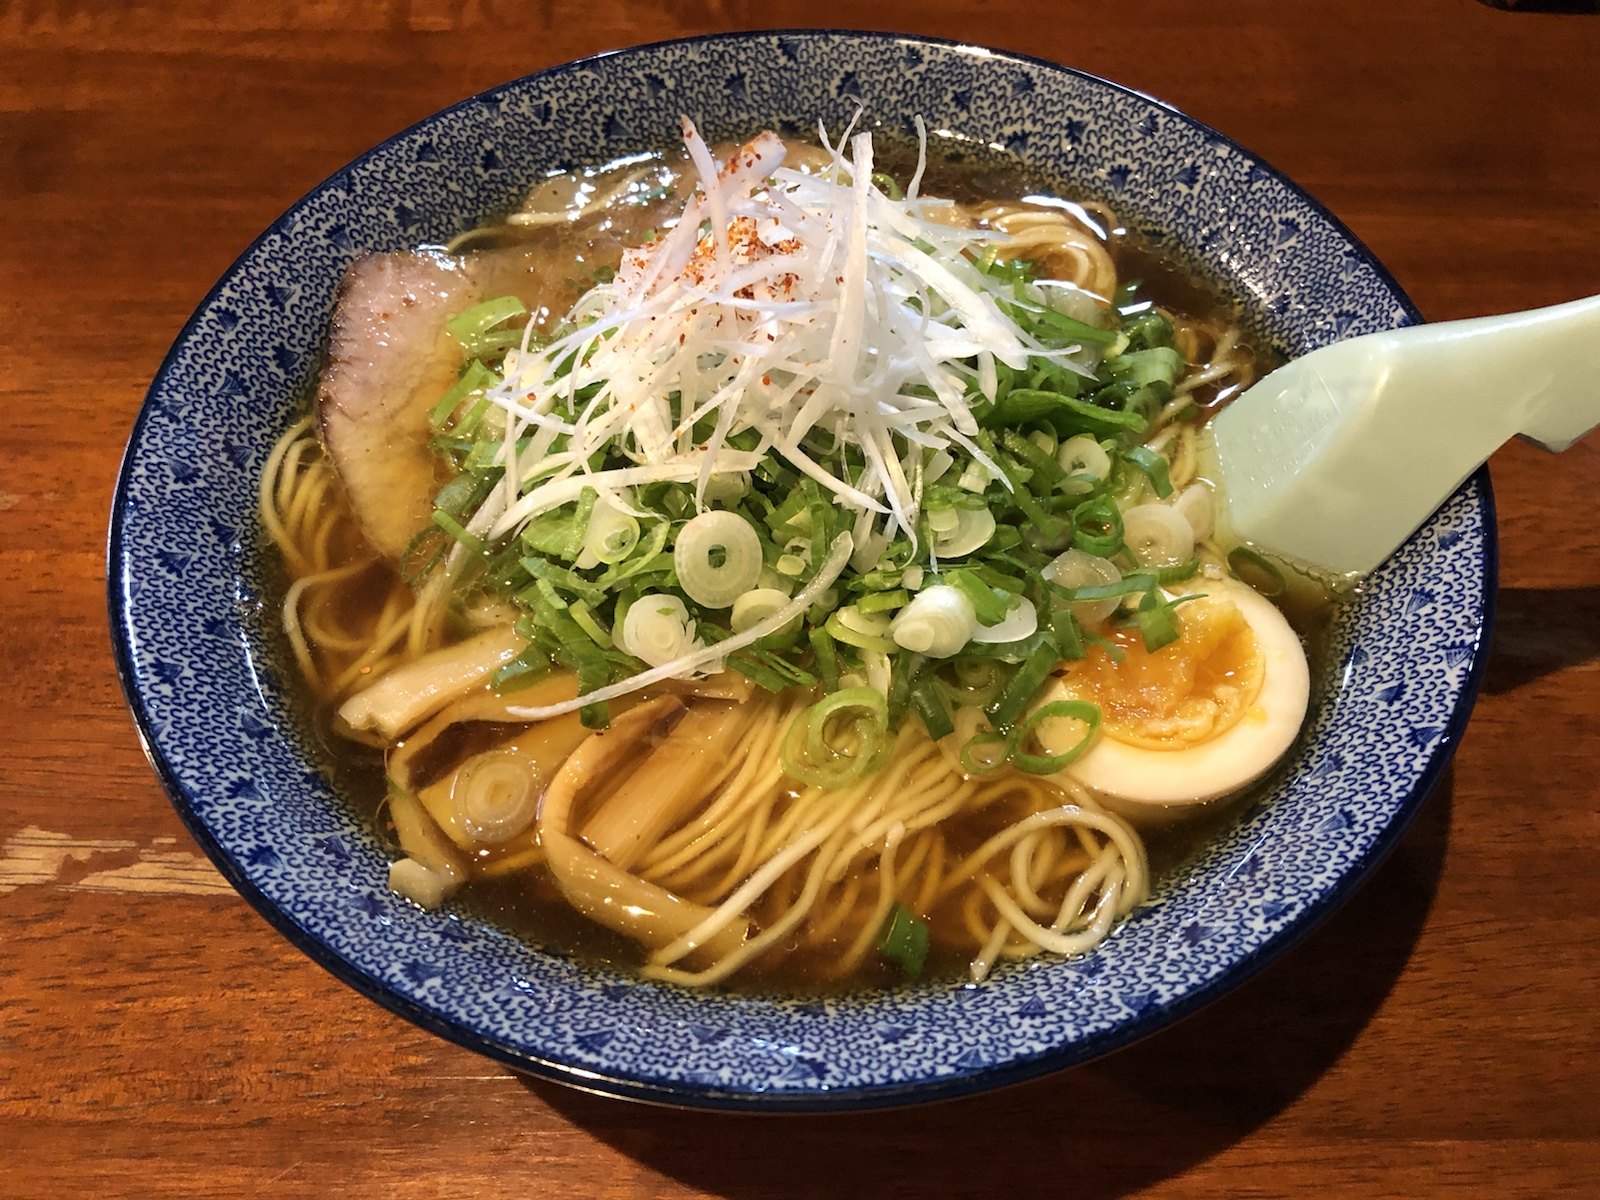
(852, 1098)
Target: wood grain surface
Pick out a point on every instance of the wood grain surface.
(1437, 1036)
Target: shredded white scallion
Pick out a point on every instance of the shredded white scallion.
(781, 302)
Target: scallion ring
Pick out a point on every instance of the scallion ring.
(838, 739)
(972, 529)
(612, 533)
(1158, 535)
(984, 737)
(717, 557)
(495, 795)
(1049, 764)
(1258, 571)
(1083, 455)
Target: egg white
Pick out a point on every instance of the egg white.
(1162, 784)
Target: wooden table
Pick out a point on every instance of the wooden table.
(1439, 1035)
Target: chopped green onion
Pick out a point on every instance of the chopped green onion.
(1153, 465)
(481, 318)
(988, 603)
(884, 601)
(1046, 470)
(850, 637)
(644, 555)
(1068, 416)
(574, 649)
(450, 525)
(761, 671)
(1011, 652)
(1158, 623)
(902, 674)
(977, 680)
(589, 624)
(817, 752)
(528, 667)
(718, 558)
(1069, 638)
(1131, 584)
(1177, 574)
(905, 940)
(545, 571)
(1253, 568)
(1161, 364)
(561, 532)
(611, 534)
(1005, 711)
(1097, 527)
(827, 659)
(973, 765)
(1148, 330)
(1049, 764)
(931, 707)
(475, 378)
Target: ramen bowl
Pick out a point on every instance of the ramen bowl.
(209, 683)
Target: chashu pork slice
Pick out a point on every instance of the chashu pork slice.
(389, 361)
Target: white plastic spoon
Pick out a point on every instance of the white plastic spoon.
(1334, 459)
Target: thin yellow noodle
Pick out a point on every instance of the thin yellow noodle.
(1105, 912)
(920, 813)
(266, 496)
(715, 835)
(428, 615)
(765, 876)
(322, 537)
(1069, 914)
(749, 849)
(1224, 360)
(729, 850)
(932, 878)
(1049, 237)
(823, 926)
(980, 967)
(752, 948)
(1107, 218)
(757, 754)
(321, 620)
(291, 618)
(972, 907)
(919, 848)
(1115, 830)
(1069, 865)
(303, 507)
(1162, 440)
(880, 911)
(386, 636)
(1023, 857)
(799, 815)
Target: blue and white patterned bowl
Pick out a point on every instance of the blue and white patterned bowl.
(199, 654)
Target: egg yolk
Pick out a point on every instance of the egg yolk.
(1185, 693)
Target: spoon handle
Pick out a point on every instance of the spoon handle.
(1335, 458)
(1568, 406)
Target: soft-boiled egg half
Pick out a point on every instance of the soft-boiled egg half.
(1192, 721)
